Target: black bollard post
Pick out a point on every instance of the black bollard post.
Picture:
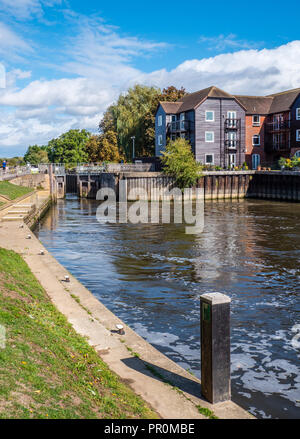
(215, 347)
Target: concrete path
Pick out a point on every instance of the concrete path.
(138, 363)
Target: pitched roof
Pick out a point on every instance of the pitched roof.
(275, 103)
(284, 100)
(255, 104)
(171, 107)
(193, 100)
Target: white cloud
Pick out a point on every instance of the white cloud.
(11, 44)
(24, 9)
(102, 59)
(230, 41)
(247, 71)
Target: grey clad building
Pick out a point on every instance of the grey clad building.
(211, 119)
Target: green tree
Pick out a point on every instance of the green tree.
(69, 148)
(103, 148)
(36, 154)
(134, 115)
(179, 162)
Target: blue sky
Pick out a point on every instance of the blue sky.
(67, 60)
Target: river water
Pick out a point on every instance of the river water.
(152, 276)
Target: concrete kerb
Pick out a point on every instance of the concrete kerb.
(173, 392)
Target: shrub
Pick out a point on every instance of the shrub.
(179, 162)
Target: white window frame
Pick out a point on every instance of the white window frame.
(213, 159)
(256, 124)
(297, 113)
(297, 135)
(213, 114)
(213, 137)
(159, 140)
(256, 136)
(159, 122)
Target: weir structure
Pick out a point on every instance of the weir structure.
(217, 185)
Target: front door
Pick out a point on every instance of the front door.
(255, 161)
(232, 160)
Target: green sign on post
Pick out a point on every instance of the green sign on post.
(206, 312)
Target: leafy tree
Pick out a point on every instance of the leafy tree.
(134, 115)
(69, 148)
(179, 162)
(172, 94)
(36, 154)
(103, 148)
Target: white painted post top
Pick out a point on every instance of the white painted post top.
(215, 298)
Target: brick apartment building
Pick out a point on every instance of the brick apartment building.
(227, 130)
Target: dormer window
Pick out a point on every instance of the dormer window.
(256, 120)
(298, 113)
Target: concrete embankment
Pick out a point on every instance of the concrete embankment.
(170, 390)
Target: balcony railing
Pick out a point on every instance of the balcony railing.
(232, 144)
(280, 147)
(179, 125)
(232, 124)
(278, 125)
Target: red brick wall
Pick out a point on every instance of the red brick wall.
(250, 132)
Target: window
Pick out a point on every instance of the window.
(298, 135)
(160, 140)
(209, 136)
(256, 120)
(297, 154)
(232, 160)
(298, 113)
(160, 121)
(209, 159)
(231, 140)
(231, 116)
(209, 116)
(182, 120)
(256, 140)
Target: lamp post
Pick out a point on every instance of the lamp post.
(133, 152)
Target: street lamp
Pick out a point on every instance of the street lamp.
(133, 153)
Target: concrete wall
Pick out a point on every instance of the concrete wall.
(215, 185)
(33, 181)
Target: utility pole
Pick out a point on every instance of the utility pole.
(133, 151)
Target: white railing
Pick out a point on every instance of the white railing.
(85, 168)
(15, 172)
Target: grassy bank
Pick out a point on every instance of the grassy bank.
(46, 369)
(12, 191)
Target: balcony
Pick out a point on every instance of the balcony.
(277, 147)
(278, 126)
(232, 124)
(178, 126)
(232, 145)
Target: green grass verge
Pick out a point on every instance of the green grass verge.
(12, 191)
(47, 369)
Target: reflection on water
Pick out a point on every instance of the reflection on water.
(152, 277)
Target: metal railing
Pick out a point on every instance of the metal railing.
(232, 123)
(278, 125)
(232, 144)
(178, 125)
(282, 146)
(86, 168)
(10, 173)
